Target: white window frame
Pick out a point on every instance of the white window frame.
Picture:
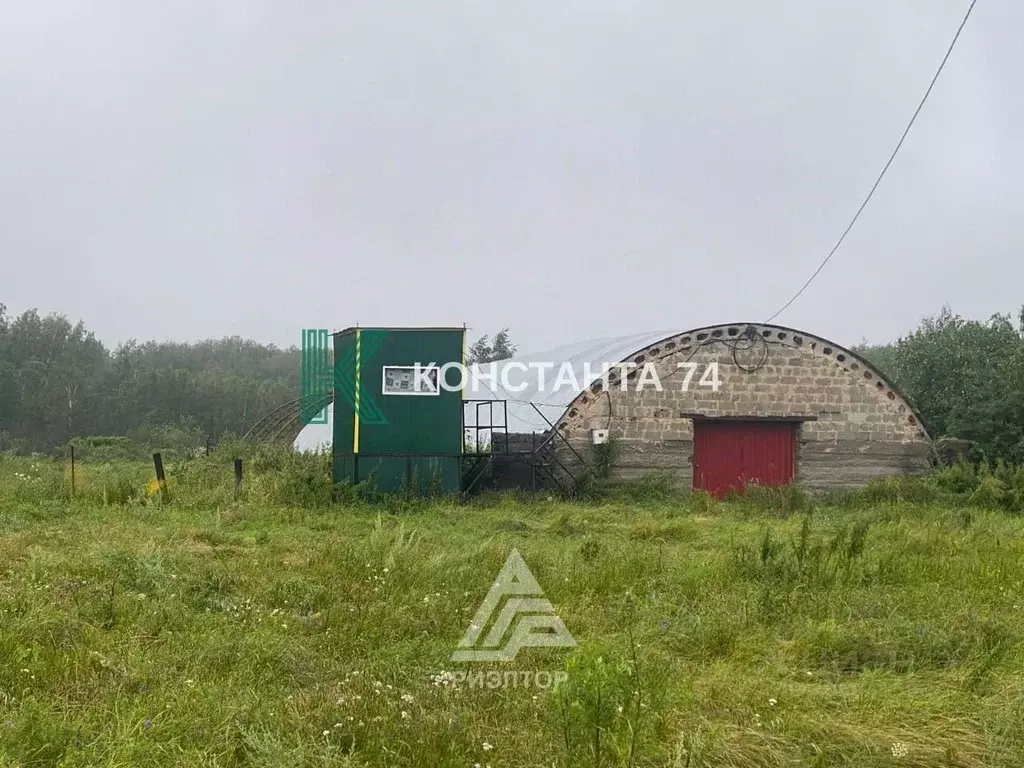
(384, 380)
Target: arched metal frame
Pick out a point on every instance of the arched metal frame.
(283, 424)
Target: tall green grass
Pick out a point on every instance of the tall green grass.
(276, 627)
(271, 475)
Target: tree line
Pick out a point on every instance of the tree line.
(58, 382)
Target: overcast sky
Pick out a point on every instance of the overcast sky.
(568, 169)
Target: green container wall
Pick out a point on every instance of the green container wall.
(425, 429)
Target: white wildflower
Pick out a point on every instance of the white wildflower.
(443, 678)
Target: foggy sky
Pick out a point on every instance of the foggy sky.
(571, 169)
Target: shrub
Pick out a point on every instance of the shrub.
(105, 448)
(990, 493)
(962, 477)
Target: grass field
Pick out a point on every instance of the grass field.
(272, 629)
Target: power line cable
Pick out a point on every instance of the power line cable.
(878, 181)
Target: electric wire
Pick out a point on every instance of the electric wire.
(885, 168)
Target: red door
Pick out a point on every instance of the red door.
(730, 454)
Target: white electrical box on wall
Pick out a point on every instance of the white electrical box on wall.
(598, 436)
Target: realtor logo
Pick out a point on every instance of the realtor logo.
(538, 625)
(319, 376)
(316, 375)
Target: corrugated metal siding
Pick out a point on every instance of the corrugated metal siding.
(417, 442)
(730, 454)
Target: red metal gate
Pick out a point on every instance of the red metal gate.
(730, 454)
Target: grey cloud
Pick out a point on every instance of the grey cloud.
(571, 170)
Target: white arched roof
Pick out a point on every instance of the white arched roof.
(586, 359)
(313, 438)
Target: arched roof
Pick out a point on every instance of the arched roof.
(772, 334)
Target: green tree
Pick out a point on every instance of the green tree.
(882, 356)
(966, 378)
(485, 350)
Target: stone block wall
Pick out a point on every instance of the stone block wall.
(852, 425)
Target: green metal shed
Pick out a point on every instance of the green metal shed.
(398, 408)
